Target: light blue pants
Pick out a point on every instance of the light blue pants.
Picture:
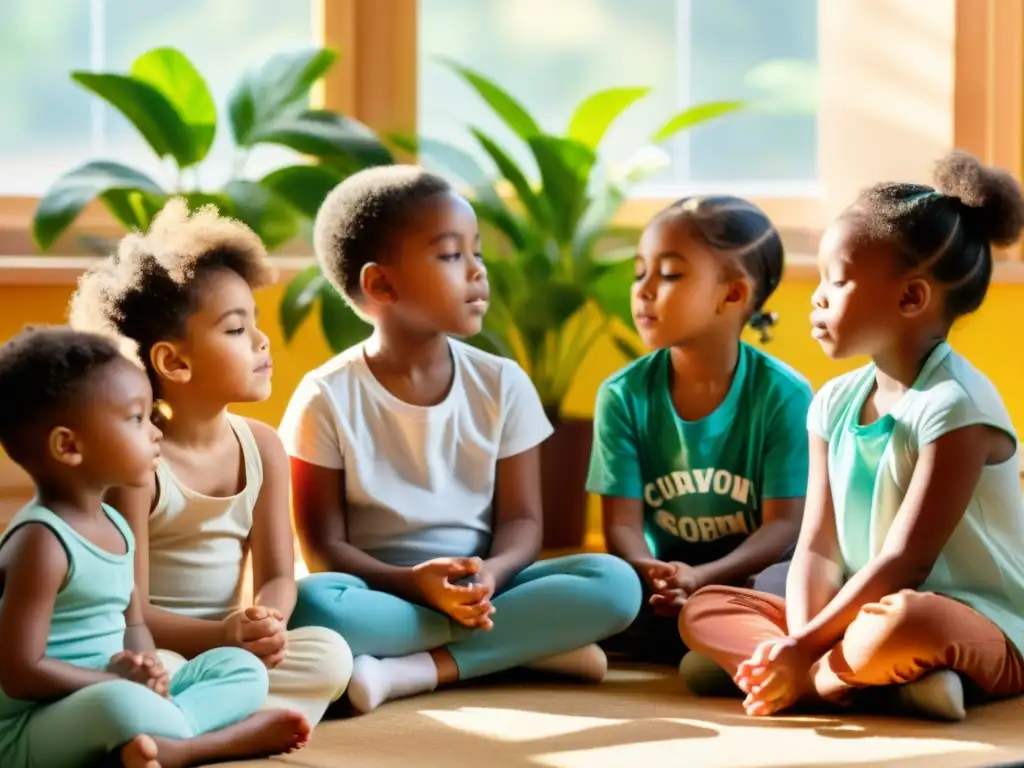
(216, 689)
(550, 607)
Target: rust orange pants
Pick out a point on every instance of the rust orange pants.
(896, 640)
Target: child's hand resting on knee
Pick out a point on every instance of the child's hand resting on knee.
(259, 630)
(670, 584)
(142, 668)
(468, 603)
(775, 677)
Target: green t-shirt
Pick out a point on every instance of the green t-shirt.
(870, 471)
(702, 482)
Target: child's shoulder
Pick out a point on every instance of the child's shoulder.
(771, 373)
(340, 368)
(954, 386)
(635, 377)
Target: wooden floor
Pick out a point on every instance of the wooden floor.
(641, 718)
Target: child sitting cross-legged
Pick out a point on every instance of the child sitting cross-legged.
(416, 466)
(183, 294)
(80, 682)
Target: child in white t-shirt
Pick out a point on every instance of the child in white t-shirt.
(416, 466)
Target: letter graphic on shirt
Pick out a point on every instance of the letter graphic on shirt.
(667, 522)
(730, 524)
(688, 529)
(651, 496)
(740, 488)
(703, 477)
(723, 481)
(684, 484)
(708, 530)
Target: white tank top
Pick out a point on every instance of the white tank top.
(198, 545)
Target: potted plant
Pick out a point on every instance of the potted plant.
(169, 103)
(554, 289)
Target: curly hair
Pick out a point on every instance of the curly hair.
(360, 214)
(947, 229)
(42, 370)
(741, 232)
(146, 291)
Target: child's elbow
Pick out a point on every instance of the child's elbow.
(16, 677)
(907, 571)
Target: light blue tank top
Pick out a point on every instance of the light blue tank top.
(88, 625)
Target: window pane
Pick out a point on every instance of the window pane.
(552, 55)
(58, 125)
(45, 127)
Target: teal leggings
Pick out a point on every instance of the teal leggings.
(214, 690)
(550, 607)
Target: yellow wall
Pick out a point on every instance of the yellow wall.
(989, 339)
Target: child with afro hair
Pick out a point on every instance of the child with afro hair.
(80, 680)
(182, 295)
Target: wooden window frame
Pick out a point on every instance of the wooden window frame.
(375, 81)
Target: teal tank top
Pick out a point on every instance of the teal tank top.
(87, 626)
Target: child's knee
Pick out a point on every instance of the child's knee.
(234, 665)
(701, 605)
(326, 658)
(620, 586)
(901, 622)
(118, 710)
(317, 597)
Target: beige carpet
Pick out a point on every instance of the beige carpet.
(641, 718)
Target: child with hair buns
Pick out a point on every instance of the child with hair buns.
(700, 451)
(909, 572)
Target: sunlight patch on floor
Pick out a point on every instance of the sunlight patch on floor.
(762, 747)
(515, 724)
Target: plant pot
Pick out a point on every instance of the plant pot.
(564, 458)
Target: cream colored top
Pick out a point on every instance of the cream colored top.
(198, 544)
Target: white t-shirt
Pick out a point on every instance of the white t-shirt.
(419, 481)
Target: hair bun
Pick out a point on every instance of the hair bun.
(992, 196)
(763, 322)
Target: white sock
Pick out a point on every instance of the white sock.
(588, 663)
(938, 695)
(375, 681)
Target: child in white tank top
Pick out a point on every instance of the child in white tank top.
(183, 295)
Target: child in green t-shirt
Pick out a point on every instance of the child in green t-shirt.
(700, 448)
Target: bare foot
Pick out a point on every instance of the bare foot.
(270, 732)
(140, 752)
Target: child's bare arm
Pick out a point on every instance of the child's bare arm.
(940, 489)
(272, 541)
(137, 636)
(816, 573)
(181, 634)
(318, 503)
(622, 521)
(36, 565)
(518, 515)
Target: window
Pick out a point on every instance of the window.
(50, 124)
(550, 55)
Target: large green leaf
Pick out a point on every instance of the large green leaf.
(534, 204)
(299, 298)
(64, 200)
(265, 213)
(342, 327)
(277, 88)
(148, 110)
(303, 187)
(629, 349)
(598, 111)
(699, 113)
(172, 74)
(610, 290)
(449, 157)
(565, 167)
(508, 283)
(494, 212)
(344, 143)
(594, 222)
(508, 109)
(134, 209)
